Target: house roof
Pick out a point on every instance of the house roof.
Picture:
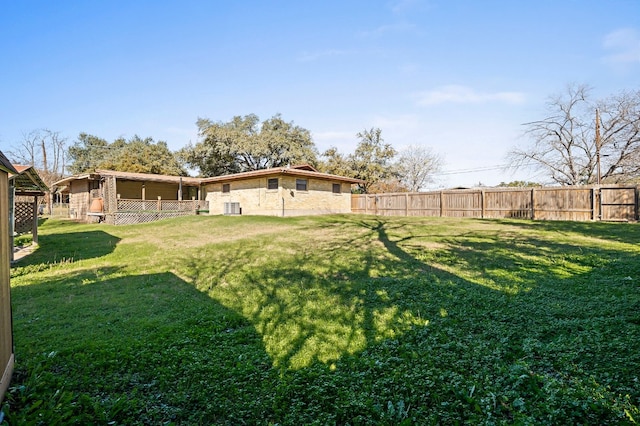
(149, 177)
(5, 164)
(81, 176)
(303, 170)
(146, 177)
(27, 181)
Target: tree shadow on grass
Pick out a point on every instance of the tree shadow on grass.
(93, 346)
(66, 247)
(478, 308)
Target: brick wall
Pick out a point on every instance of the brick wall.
(256, 199)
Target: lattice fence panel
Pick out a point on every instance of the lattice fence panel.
(179, 205)
(23, 217)
(132, 218)
(125, 205)
(137, 205)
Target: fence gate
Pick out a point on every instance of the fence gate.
(618, 204)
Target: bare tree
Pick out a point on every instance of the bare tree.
(27, 149)
(417, 166)
(564, 145)
(619, 145)
(45, 150)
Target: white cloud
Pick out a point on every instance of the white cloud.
(465, 95)
(402, 7)
(624, 45)
(314, 56)
(399, 27)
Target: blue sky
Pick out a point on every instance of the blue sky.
(457, 76)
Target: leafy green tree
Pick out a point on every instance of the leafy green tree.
(86, 152)
(335, 163)
(136, 155)
(372, 162)
(372, 159)
(245, 144)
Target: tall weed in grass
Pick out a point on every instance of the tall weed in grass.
(328, 320)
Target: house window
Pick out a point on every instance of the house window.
(301, 184)
(226, 188)
(272, 183)
(337, 188)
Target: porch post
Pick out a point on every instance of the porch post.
(12, 215)
(34, 226)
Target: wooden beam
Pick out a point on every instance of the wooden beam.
(34, 228)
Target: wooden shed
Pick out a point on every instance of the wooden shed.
(6, 330)
(28, 186)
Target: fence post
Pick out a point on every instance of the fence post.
(34, 218)
(533, 203)
(159, 203)
(441, 203)
(406, 204)
(638, 202)
(482, 195)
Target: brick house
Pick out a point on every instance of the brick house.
(281, 191)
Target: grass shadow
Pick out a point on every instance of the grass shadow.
(66, 247)
(148, 347)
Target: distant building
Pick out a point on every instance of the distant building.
(121, 197)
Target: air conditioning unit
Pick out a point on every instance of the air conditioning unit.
(232, 209)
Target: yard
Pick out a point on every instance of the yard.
(328, 320)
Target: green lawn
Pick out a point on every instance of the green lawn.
(328, 320)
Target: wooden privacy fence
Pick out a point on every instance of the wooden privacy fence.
(607, 203)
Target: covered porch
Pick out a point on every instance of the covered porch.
(126, 198)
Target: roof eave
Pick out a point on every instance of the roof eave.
(280, 171)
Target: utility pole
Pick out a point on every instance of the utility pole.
(598, 144)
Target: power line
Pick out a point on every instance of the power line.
(480, 169)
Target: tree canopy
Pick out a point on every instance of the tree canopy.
(135, 155)
(245, 144)
(371, 161)
(572, 147)
(380, 167)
